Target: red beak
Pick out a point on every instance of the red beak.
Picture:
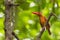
(37, 13)
(34, 12)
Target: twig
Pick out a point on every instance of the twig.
(15, 35)
(41, 32)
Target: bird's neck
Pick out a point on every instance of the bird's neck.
(40, 15)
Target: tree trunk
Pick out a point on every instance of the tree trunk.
(8, 20)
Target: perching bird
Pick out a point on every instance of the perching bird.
(43, 20)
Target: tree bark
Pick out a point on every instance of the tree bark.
(8, 20)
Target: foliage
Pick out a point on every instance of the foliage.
(27, 24)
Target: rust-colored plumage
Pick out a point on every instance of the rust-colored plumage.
(43, 20)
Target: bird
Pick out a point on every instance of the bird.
(42, 21)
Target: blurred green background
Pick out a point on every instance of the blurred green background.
(27, 25)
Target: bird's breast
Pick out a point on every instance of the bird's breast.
(42, 20)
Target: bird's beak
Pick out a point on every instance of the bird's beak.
(33, 12)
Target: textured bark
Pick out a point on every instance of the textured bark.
(8, 20)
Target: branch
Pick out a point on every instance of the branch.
(11, 4)
(40, 34)
(43, 29)
(15, 35)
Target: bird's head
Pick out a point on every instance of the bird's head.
(37, 13)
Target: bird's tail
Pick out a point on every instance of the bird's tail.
(49, 31)
(48, 28)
